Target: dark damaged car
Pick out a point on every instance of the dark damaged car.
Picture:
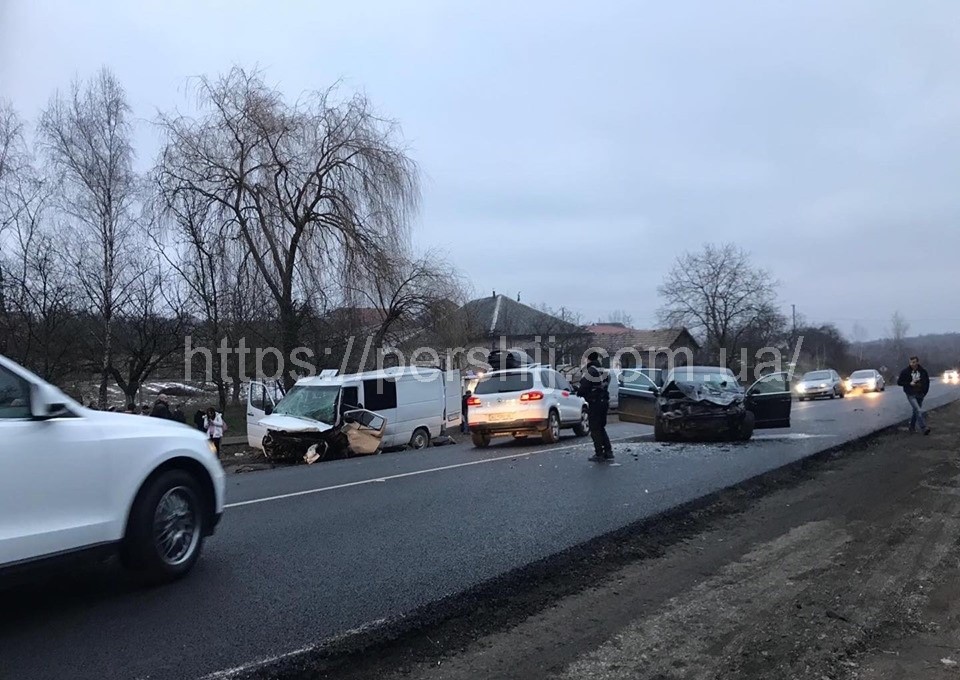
(706, 402)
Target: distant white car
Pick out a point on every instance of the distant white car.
(865, 380)
(75, 480)
(519, 402)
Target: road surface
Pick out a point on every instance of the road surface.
(307, 553)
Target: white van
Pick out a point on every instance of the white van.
(418, 403)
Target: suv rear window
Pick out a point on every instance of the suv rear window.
(505, 382)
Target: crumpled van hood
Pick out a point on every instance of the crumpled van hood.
(282, 423)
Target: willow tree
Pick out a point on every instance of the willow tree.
(320, 191)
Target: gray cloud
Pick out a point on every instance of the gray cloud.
(822, 135)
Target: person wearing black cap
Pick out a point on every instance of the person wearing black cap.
(595, 389)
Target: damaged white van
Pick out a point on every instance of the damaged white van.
(343, 413)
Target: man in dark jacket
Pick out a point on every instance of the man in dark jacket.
(915, 382)
(595, 388)
(161, 409)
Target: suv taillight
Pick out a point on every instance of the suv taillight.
(531, 396)
(473, 401)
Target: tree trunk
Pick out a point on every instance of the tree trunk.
(289, 340)
(107, 362)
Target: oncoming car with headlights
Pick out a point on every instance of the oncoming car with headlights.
(532, 400)
(824, 383)
(865, 380)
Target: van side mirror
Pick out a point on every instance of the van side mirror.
(268, 409)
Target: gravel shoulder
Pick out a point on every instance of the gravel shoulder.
(845, 566)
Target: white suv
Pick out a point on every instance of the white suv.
(530, 400)
(74, 480)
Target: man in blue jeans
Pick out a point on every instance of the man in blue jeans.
(915, 382)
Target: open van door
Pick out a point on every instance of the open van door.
(260, 403)
(364, 431)
(452, 386)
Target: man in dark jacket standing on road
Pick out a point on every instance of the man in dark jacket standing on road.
(915, 382)
(595, 388)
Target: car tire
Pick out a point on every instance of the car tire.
(551, 435)
(420, 439)
(175, 500)
(746, 427)
(659, 432)
(582, 429)
(481, 440)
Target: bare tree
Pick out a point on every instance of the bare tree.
(318, 191)
(87, 137)
(406, 290)
(619, 316)
(719, 294)
(150, 329)
(899, 327)
(38, 320)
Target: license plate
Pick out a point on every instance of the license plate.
(500, 417)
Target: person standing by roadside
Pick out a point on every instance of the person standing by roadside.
(161, 408)
(915, 382)
(594, 387)
(464, 406)
(214, 426)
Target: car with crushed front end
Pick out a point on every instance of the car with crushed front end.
(706, 402)
(79, 483)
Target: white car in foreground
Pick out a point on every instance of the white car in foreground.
(74, 480)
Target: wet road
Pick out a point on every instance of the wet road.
(310, 552)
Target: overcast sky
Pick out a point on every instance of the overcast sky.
(823, 135)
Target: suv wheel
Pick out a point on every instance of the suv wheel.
(480, 439)
(583, 428)
(552, 434)
(166, 527)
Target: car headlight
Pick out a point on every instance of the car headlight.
(801, 389)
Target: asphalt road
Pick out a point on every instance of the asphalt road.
(307, 553)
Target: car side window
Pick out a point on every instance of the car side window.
(563, 383)
(771, 384)
(14, 396)
(638, 381)
(549, 379)
(258, 397)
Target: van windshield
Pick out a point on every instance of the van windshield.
(316, 402)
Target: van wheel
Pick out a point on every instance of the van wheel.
(552, 434)
(420, 438)
(166, 528)
(480, 439)
(582, 429)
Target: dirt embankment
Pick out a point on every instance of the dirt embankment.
(849, 570)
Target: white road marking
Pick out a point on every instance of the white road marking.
(376, 480)
(266, 661)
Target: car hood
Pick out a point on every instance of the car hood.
(699, 392)
(283, 423)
